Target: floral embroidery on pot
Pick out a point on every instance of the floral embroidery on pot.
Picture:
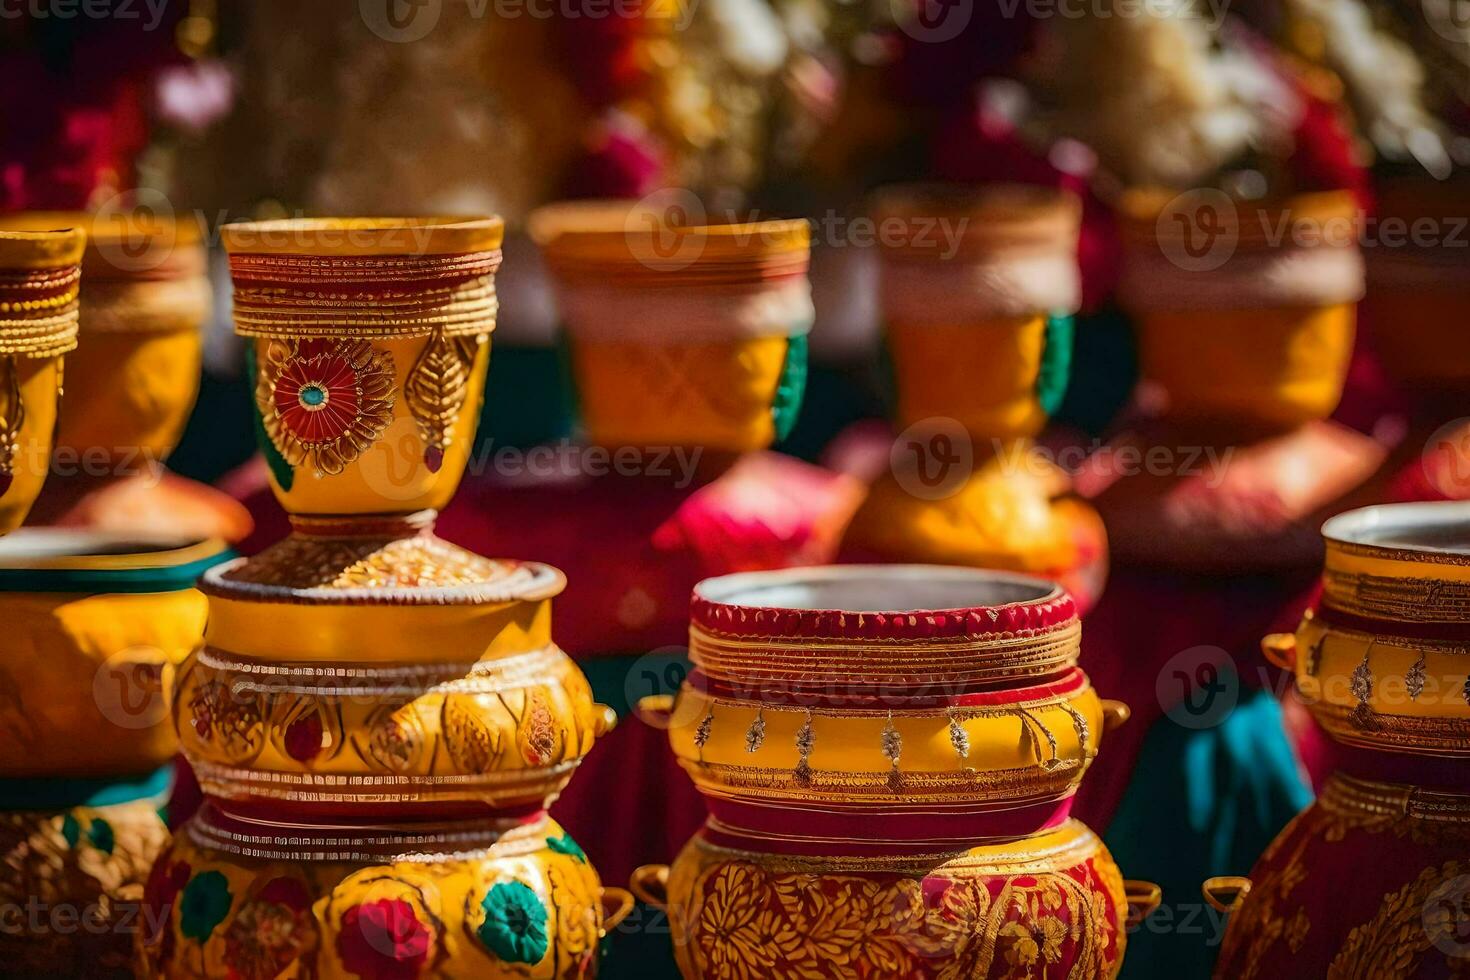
(325, 402)
(515, 923)
(273, 929)
(203, 905)
(384, 940)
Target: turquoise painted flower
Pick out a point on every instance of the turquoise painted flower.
(515, 923)
(204, 905)
(565, 845)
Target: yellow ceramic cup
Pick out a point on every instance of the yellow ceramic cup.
(1245, 312)
(680, 334)
(369, 344)
(978, 286)
(39, 275)
(145, 297)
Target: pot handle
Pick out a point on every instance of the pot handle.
(651, 884)
(1115, 713)
(1143, 898)
(604, 719)
(1280, 649)
(655, 711)
(616, 904)
(1225, 893)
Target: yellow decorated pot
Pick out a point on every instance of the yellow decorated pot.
(1381, 661)
(96, 626)
(76, 855)
(358, 692)
(1245, 311)
(233, 897)
(978, 287)
(1050, 905)
(39, 276)
(680, 334)
(889, 755)
(145, 298)
(369, 341)
(1416, 303)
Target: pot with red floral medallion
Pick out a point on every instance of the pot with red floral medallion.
(889, 755)
(378, 718)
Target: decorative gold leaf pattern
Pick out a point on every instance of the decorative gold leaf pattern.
(436, 389)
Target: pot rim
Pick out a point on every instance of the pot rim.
(1402, 531)
(807, 602)
(363, 237)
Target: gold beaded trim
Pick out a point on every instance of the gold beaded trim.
(1392, 597)
(1361, 725)
(996, 786)
(39, 312)
(1349, 795)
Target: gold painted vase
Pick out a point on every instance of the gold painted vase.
(1372, 880)
(889, 755)
(95, 626)
(378, 718)
(978, 291)
(39, 276)
(680, 334)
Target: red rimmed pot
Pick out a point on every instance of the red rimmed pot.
(890, 739)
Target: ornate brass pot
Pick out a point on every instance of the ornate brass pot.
(1371, 881)
(889, 755)
(39, 276)
(378, 718)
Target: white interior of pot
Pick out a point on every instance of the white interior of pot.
(874, 588)
(33, 543)
(1436, 528)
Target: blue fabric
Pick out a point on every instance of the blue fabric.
(1202, 802)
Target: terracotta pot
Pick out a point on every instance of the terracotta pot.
(680, 334)
(39, 276)
(898, 744)
(495, 899)
(97, 625)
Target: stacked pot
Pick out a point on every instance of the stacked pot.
(889, 755)
(979, 288)
(378, 719)
(1372, 879)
